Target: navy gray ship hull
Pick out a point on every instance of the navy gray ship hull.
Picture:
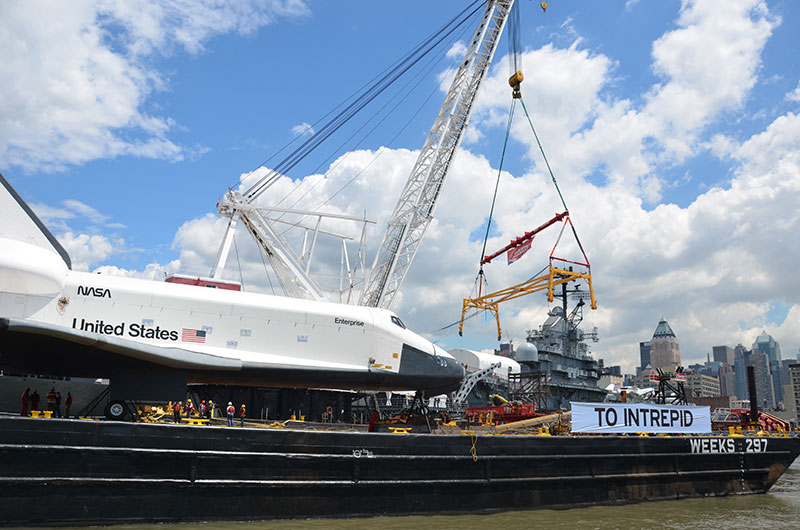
(79, 472)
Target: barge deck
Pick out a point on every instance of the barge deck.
(90, 472)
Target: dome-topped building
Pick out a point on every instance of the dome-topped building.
(665, 351)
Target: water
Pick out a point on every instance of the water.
(778, 509)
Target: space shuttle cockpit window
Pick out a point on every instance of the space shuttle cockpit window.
(399, 322)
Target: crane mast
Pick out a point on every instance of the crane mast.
(415, 207)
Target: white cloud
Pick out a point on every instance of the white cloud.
(48, 213)
(75, 90)
(721, 146)
(84, 249)
(457, 50)
(304, 129)
(794, 95)
(710, 64)
(74, 210)
(153, 271)
(85, 210)
(707, 66)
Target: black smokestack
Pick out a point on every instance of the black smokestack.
(751, 386)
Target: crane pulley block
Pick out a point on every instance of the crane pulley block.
(515, 81)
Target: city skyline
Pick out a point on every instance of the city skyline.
(730, 346)
(726, 375)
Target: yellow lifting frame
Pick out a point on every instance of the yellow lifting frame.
(491, 302)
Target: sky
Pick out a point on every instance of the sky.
(672, 128)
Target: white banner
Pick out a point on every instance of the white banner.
(639, 417)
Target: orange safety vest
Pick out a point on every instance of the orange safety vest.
(231, 410)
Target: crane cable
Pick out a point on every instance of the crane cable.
(515, 62)
(417, 80)
(541, 149)
(480, 277)
(517, 95)
(361, 101)
(553, 178)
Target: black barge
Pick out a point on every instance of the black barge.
(87, 472)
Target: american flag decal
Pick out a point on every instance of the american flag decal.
(193, 335)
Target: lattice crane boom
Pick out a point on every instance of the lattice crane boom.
(415, 207)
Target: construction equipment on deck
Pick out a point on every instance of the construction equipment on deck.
(469, 383)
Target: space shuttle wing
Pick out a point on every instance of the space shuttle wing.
(59, 345)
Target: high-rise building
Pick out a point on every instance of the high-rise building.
(765, 343)
(764, 385)
(793, 395)
(785, 376)
(703, 385)
(665, 352)
(741, 357)
(723, 354)
(644, 355)
(727, 380)
(768, 345)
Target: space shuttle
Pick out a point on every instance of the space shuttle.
(152, 338)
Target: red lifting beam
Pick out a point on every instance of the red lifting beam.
(522, 239)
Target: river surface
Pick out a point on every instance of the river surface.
(778, 509)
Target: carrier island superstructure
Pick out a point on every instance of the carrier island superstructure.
(557, 366)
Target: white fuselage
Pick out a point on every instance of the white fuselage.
(267, 336)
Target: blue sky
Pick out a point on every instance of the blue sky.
(672, 128)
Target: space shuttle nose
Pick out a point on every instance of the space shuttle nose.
(449, 378)
(451, 373)
(455, 370)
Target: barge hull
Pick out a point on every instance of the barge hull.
(82, 472)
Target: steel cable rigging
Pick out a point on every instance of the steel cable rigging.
(556, 274)
(361, 100)
(404, 93)
(419, 196)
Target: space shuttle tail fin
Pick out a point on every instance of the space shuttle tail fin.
(32, 261)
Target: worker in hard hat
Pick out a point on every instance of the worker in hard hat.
(231, 412)
(176, 411)
(242, 414)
